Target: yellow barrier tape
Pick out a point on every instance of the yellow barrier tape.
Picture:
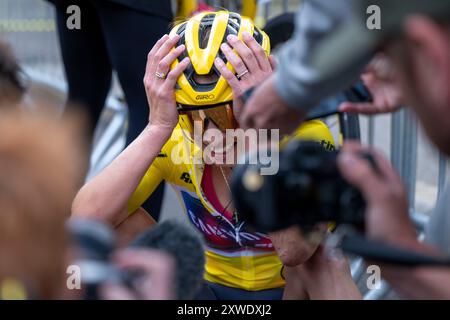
(27, 25)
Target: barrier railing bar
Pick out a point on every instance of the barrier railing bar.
(409, 155)
(442, 178)
(395, 134)
(371, 131)
(285, 5)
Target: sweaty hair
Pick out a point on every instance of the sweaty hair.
(12, 86)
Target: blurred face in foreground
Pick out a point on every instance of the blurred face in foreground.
(41, 168)
(422, 57)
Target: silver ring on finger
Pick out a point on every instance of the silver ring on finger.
(160, 75)
(239, 76)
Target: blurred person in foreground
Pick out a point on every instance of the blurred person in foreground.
(39, 174)
(415, 36)
(297, 86)
(207, 73)
(12, 85)
(41, 161)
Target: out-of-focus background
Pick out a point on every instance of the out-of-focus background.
(29, 27)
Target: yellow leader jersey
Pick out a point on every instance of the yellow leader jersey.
(235, 256)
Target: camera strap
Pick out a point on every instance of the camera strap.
(389, 254)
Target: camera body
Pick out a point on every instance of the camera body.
(308, 189)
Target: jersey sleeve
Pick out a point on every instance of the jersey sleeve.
(151, 180)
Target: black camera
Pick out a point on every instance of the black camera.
(308, 189)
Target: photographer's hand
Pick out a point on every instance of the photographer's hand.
(380, 79)
(387, 221)
(387, 216)
(156, 281)
(267, 110)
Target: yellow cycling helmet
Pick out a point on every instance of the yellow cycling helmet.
(202, 35)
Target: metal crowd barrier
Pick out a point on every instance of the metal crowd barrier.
(29, 27)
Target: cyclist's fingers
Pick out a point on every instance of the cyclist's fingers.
(175, 73)
(164, 50)
(228, 75)
(244, 52)
(158, 45)
(150, 56)
(237, 63)
(166, 62)
(258, 51)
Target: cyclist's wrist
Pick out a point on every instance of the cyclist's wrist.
(160, 130)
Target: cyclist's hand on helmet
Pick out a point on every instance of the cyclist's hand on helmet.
(380, 80)
(387, 217)
(251, 64)
(160, 90)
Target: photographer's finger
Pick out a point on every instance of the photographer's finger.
(362, 108)
(111, 291)
(158, 271)
(228, 75)
(258, 52)
(358, 172)
(353, 146)
(246, 119)
(384, 166)
(273, 62)
(135, 258)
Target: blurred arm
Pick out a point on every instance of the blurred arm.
(296, 82)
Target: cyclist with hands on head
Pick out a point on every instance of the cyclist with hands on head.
(210, 60)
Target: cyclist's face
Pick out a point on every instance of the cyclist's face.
(222, 151)
(214, 138)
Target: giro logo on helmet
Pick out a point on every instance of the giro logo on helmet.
(205, 97)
